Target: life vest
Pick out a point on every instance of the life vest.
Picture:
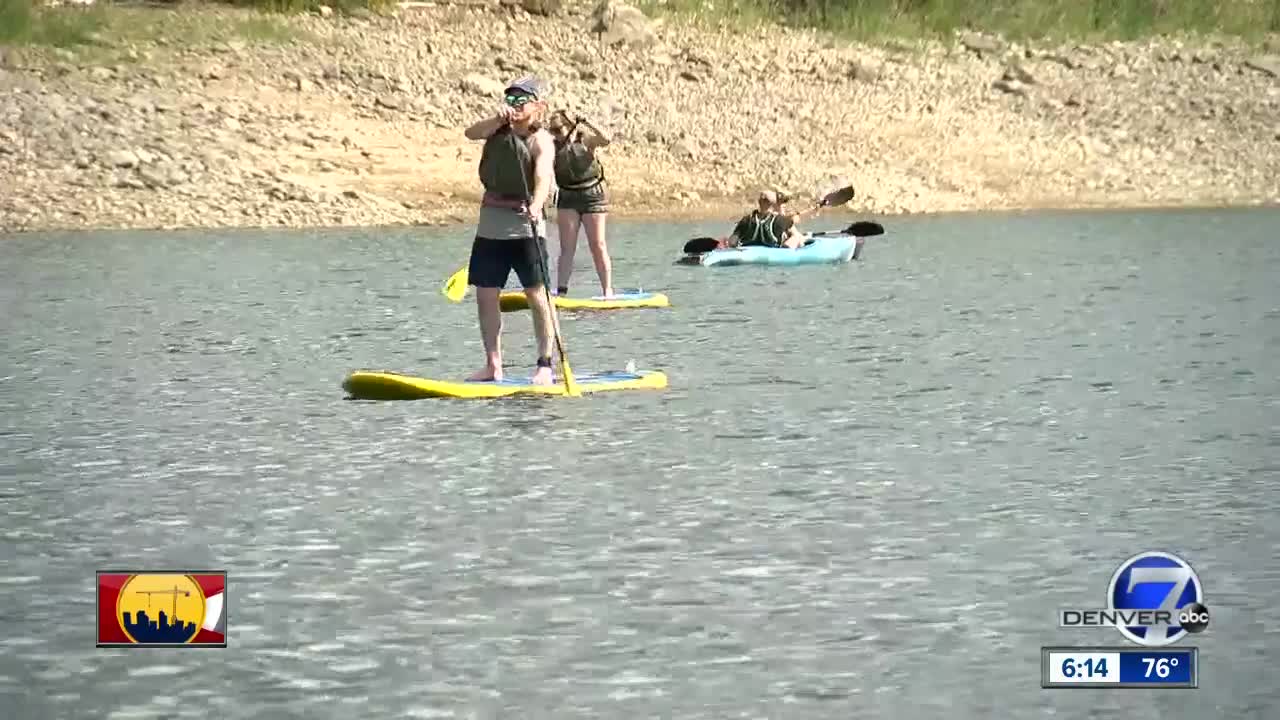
(577, 167)
(760, 230)
(506, 167)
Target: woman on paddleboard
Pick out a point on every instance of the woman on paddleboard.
(581, 200)
(516, 169)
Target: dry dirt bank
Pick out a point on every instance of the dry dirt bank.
(359, 120)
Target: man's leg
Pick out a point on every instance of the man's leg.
(534, 281)
(488, 272)
(490, 333)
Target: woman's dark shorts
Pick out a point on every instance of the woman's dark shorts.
(586, 202)
(493, 260)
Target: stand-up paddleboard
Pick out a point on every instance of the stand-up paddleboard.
(514, 300)
(366, 385)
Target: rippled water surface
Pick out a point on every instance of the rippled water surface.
(866, 493)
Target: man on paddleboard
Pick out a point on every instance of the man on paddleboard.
(516, 169)
(767, 225)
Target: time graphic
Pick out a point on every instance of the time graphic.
(1062, 667)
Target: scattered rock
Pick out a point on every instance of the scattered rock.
(863, 71)
(122, 159)
(1013, 87)
(158, 177)
(620, 24)
(684, 149)
(1015, 72)
(1268, 64)
(546, 8)
(980, 44)
(1063, 60)
(481, 85)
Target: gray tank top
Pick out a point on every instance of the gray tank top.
(506, 224)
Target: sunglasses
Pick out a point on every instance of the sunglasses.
(518, 101)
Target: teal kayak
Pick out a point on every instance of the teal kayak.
(824, 249)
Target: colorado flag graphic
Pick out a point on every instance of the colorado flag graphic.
(162, 608)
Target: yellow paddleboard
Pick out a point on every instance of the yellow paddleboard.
(365, 385)
(513, 300)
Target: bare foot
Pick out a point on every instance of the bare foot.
(542, 376)
(608, 294)
(486, 374)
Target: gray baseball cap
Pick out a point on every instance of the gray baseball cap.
(530, 85)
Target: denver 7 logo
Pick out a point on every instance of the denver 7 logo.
(1157, 581)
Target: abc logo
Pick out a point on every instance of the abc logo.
(1194, 617)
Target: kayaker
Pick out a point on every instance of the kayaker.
(581, 200)
(767, 225)
(516, 169)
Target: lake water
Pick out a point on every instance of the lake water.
(867, 492)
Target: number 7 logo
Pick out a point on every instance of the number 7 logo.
(1153, 581)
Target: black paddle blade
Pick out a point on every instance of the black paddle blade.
(700, 245)
(864, 228)
(839, 197)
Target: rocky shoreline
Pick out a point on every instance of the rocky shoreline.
(360, 122)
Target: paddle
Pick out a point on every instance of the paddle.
(700, 245)
(456, 286)
(862, 228)
(570, 386)
(839, 196)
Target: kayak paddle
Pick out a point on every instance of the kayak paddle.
(862, 228)
(700, 245)
(836, 197)
(456, 286)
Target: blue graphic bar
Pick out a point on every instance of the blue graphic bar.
(1159, 667)
(1119, 667)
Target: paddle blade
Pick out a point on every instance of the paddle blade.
(570, 384)
(837, 197)
(864, 228)
(700, 245)
(456, 286)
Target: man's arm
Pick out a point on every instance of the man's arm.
(486, 127)
(543, 169)
(783, 225)
(739, 233)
